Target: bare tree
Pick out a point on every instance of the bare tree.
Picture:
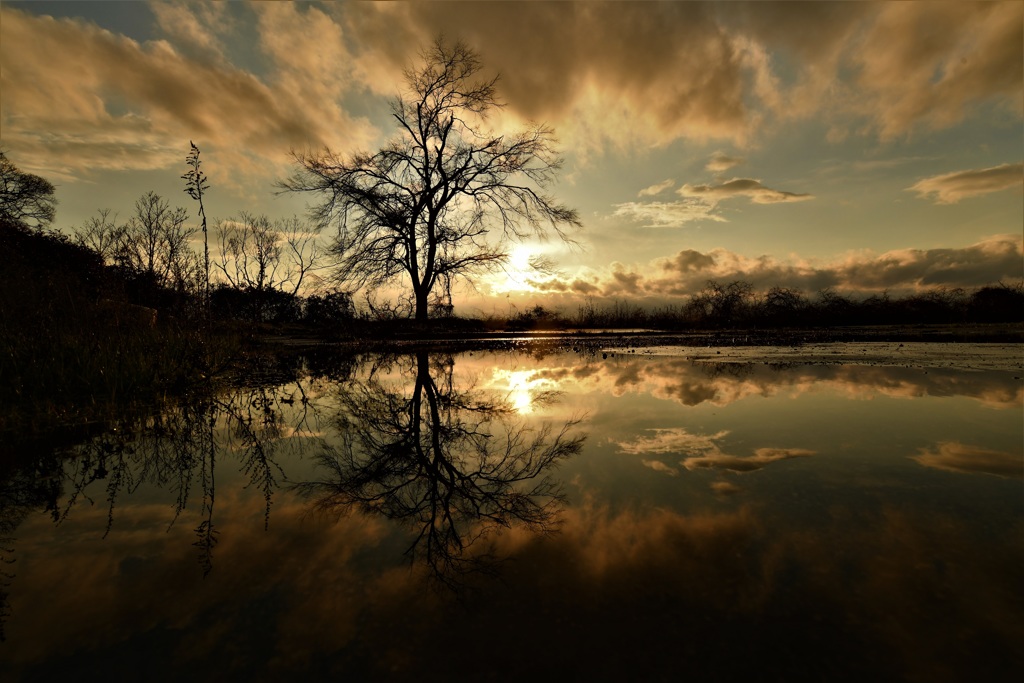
(443, 199)
(261, 255)
(102, 234)
(155, 241)
(25, 199)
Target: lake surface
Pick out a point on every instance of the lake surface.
(618, 515)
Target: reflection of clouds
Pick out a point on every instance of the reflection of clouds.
(659, 466)
(628, 580)
(954, 456)
(733, 463)
(725, 488)
(523, 388)
(702, 451)
(672, 440)
(693, 383)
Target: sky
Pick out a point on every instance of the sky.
(865, 147)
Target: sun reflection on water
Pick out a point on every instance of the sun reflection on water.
(522, 387)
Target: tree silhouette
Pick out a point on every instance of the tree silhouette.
(450, 463)
(25, 199)
(444, 197)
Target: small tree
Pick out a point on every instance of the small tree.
(25, 199)
(195, 184)
(442, 199)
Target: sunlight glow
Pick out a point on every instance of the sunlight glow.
(522, 387)
(517, 272)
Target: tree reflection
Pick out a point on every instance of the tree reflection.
(180, 450)
(450, 462)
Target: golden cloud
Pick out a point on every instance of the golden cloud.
(741, 187)
(82, 98)
(950, 188)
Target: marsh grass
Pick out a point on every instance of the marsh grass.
(73, 350)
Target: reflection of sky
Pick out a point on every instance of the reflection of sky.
(668, 414)
(859, 515)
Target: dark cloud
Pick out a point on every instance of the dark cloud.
(687, 261)
(659, 71)
(999, 258)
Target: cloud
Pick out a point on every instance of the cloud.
(953, 456)
(761, 458)
(661, 467)
(688, 260)
(667, 214)
(622, 75)
(195, 27)
(672, 440)
(84, 99)
(725, 488)
(699, 202)
(607, 76)
(930, 64)
(720, 161)
(900, 271)
(950, 188)
(741, 187)
(657, 188)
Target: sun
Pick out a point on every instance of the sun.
(515, 276)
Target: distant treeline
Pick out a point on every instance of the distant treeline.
(738, 305)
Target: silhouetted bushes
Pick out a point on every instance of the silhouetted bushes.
(738, 305)
(73, 344)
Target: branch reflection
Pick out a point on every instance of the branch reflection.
(181, 450)
(451, 462)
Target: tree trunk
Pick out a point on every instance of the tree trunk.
(422, 306)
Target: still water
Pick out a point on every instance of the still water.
(546, 516)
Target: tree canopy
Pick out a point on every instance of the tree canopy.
(25, 199)
(443, 199)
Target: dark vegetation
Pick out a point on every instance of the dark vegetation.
(738, 305)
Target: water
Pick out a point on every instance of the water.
(608, 516)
